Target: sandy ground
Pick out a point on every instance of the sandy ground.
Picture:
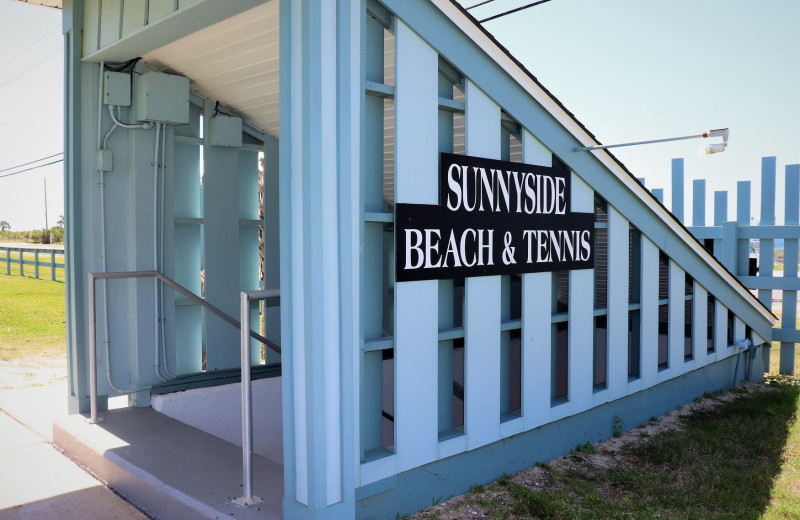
(33, 371)
(539, 479)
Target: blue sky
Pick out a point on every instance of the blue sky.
(633, 70)
(628, 69)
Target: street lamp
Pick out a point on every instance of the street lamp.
(705, 150)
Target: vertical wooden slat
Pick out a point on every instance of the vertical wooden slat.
(720, 207)
(91, 26)
(699, 202)
(700, 324)
(482, 334)
(767, 246)
(790, 251)
(677, 278)
(720, 216)
(536, 288)
(720, 331)
(416, 352)
(581, 320)
(677, 188)
(110, 22)
(649, 313)
(134, 17)
(618, 234)
(658, 193)
(727, 252)
(742, 219)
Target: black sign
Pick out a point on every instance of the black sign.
(494, 217)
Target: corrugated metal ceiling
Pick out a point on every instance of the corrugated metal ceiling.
(234, 62)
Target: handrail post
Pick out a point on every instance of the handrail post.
(92, 354)
(247, 407)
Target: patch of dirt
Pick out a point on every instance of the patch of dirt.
(538, 478)
(32, 371)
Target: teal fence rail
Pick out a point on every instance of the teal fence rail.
(15, 257)
(760, 251)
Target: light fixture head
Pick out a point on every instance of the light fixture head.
(713, 148)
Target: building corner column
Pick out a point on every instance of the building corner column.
(316, 241)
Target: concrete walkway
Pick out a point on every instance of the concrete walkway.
(36, 480)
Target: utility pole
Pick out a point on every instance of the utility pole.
(49, 236)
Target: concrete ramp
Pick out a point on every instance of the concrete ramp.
(167, 468)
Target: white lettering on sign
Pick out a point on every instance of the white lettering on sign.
(504, 191)
(424, 249)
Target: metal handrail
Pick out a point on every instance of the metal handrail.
(93, 277)
(247, 406)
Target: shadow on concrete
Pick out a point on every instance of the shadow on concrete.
(168, 468)
(84, 504)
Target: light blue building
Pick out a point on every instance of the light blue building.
(374, 396)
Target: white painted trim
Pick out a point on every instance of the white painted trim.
(583, 137)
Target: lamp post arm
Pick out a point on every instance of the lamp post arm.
(711, 133)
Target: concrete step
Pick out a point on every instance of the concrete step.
(169, 469)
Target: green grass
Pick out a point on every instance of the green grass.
(739, 461)
(30, 270)
(31, 317)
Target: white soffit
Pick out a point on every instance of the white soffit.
(576, 129)
(234, 61)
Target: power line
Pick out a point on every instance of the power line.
(513, 10)
(52, 54)
(32, 168)
(31, 162)
(480, 4)
(29, 47)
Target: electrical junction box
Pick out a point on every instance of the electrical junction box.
(105, 160)
(162, 98)
(117, 89)
(226, 131)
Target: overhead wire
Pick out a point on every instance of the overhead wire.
(32, 168)
(29, 47)
(511, 11)
(40, 159)
(47, 57)
(479, 4)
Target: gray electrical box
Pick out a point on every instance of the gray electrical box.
(226, 131)
(162, 98)
(117, 89)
